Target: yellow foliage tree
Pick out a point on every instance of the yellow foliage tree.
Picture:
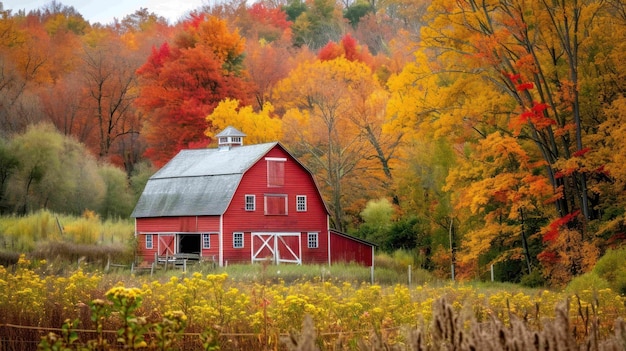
(259, 127)
(333, 118)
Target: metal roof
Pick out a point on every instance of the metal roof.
(198, 182)
(230, 131)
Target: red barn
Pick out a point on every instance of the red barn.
(239, 204)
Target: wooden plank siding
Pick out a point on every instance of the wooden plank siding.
(348, 249)
(286, 230)
(298, 181)
(194, 225)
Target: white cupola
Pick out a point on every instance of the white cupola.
(229, 137)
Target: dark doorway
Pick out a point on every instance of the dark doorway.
(189, 243)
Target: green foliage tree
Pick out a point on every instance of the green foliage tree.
(356, 11)
(139, 178)
(8, 165)
(377, 218)
(319, 24)
(54, 172)
(118, 201)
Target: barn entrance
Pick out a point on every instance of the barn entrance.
(166, 245)
(189, 243)
(277, 247)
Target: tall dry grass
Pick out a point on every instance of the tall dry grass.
(66, 239)
(452, 330)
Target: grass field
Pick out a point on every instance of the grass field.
(258, 307)
(58, 296)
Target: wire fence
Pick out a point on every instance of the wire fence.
(22, 338)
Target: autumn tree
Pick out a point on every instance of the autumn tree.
(259, 127)
(266, 23)
(320, 125)
(8, 165)
(108, 77)
(53, 172)
(319, 23)
(348, 48)
(182, 82)
(530, 57)
(267, 64)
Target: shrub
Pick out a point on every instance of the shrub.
(533, 280)
(612, 268)
(586, 281)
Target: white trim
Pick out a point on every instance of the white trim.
(202, 241)
(245, 202)
(151, 241)
(283, 159)
(308, 240)
(271, 240)
(243, 241)
(328, 245)
(306, 207)
(221, 242)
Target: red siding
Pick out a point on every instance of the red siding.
(144, 254)
(191, 224)
(297, 182)
(178, 225)
(345, 249)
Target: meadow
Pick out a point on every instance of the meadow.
(58, 296)
(198, 310)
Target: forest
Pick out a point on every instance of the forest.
(472, 133)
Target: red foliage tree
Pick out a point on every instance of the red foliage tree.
(182, 84)
(348, 48)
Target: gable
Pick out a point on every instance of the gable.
(204, 181)
(197, 182)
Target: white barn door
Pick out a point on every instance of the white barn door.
(277, 247)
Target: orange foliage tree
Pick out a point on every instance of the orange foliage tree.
(519, 70)
(333, 114)
(181, 83)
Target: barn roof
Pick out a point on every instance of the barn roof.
(183, 185)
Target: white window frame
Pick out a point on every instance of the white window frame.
(149, 242)
(235, 235)
(313, 240)
(301, 205)
(206, 240)
(253, 204)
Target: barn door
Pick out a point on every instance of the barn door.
(277, 247)
(167, 244)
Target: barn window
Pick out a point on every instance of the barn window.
(206, 241)
(275, 205)
(301, 203)
(237, 240)
(312, 240)
(250, 203)
(275, 171)
(149, 242)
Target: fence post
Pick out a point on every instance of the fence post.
(409, 275)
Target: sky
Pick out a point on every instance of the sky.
(104, 11)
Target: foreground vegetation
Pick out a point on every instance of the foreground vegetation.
(196, 310)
